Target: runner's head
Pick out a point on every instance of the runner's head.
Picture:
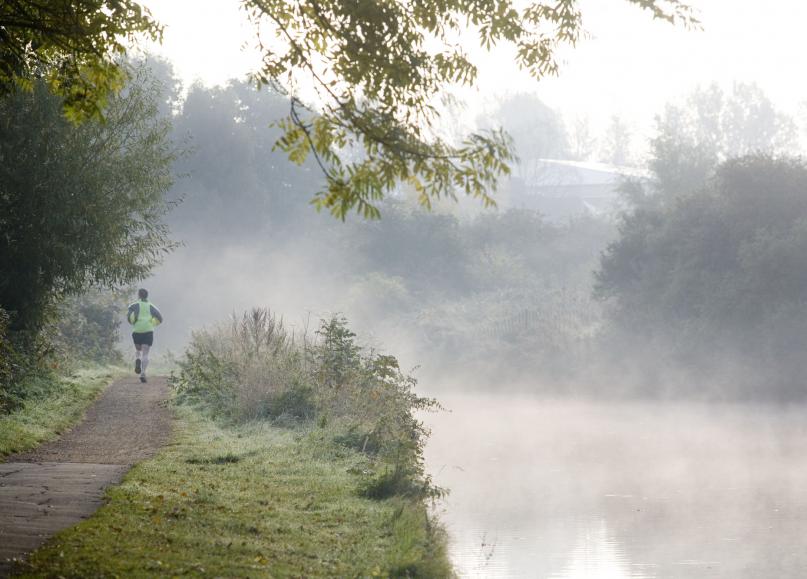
(143, 293)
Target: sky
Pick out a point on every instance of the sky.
(629, 65)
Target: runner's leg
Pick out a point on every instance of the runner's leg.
(144, 357)
(138, 353)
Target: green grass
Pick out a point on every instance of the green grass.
(248, 501)
(60, 403)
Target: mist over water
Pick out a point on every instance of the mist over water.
(574, 488)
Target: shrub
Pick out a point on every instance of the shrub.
(7, 363)
(246, 369)
(712, 281)
(88, 326)
(252, 368)
(26, 365)
(6, 349)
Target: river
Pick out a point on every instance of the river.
(576, 489)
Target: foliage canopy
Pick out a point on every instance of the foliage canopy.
(712, 126)
(378, 68)
(374, 71)
(719, 271)
(79, 205)
(73, 45)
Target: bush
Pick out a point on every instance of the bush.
(8, 358)
(712, 282)
(88, 326)
(77, 331)
(26, 365)
(6, 350)
(246, 369)
(252, 368)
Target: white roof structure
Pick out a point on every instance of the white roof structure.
(595, 170)
(560, 189)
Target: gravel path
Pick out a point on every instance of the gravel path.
(62, 482)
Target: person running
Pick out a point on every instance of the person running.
(144, 317)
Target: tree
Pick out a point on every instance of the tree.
(79, 205)
(581, 141)
(536, 129)
(710, 127)
(376, 68)
(616, 143)
(74, 46)
(719, 270)
(237, 186)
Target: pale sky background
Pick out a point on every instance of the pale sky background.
(630, 66)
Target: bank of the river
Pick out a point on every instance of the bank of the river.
(57, 403)
(246, 501)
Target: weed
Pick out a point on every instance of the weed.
(250, 368)
(228, 458)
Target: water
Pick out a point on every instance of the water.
(564, 490)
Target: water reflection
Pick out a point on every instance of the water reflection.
(596, 554)
(571, 489)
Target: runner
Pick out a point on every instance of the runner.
(144, 317)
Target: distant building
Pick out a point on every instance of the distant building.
(561, 189)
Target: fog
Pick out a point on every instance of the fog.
(605, 74)
(619, 344)
(567, 489)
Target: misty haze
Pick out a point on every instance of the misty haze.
(420, 320)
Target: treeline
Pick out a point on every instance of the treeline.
(713, 281)
(706, 283)
(435, 282)
(82, 206)
(695, 276)
(507, 295)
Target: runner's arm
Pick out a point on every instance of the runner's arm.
(131, 315)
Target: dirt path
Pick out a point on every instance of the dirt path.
(62, 482)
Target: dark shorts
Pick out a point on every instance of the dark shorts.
(141, 338)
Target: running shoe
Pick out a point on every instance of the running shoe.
(143, 378)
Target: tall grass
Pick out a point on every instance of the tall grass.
(245, 369)
(252, 368)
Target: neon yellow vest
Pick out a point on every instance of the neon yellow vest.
(144, 323)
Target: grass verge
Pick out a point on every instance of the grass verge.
(58, 404)
(247, 501)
